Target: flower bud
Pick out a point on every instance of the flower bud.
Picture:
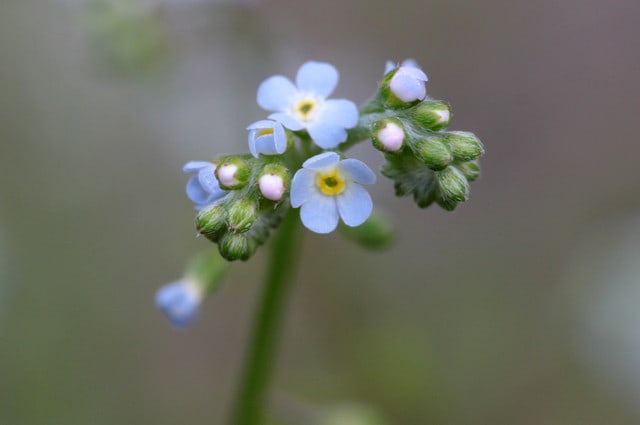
(453, 187)
(274, 181)
(211, 221)
(375, 233)
(470, 169)
(432, 114)
(236, 246)
(433, 152)
(388, 134)
(233, 173)
(242, 214)
(403, 87)
(464, 146)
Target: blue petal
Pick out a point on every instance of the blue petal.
(289, 121)
(302, 187)
(266, 144)
(338, 112)
(178, 303)
(407, 87)
(390, 66)
(358, 171)
(354, 205)
(196, 192)
(319, 78)
(411, 67)
(208, 181)
(193, 166)
(321, 161)
(320, 213)
(280, 137)
(327, 136)
(276, 93)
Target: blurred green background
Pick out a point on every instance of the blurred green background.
(519, 308)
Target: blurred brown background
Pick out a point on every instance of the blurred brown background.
(521, 307)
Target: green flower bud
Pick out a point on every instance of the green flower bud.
(274, 180)
(431, 114)
(375, 233)
(388, 134)
(233, 173)
(236, 246)
(470, 169)
(433, 151)
(464, 146)
(211, 221)
(452, 187)
(242, 214)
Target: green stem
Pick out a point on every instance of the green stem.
(256, 375)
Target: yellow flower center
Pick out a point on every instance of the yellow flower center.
(304, 108)
(330, 182)
(264, 132)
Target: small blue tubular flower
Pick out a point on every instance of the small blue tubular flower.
(267, 137)
(327, 188)
(203, 188)
(305, 104)
(180, 301)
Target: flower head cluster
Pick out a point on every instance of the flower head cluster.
(296, 157)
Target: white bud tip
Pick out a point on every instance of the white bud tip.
(443, 115)
(227, 175)
(391, 136)
(271, 187)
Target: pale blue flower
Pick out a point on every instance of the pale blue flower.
(390, 65)
(327, 189)
(305, 104)
(203, 188)
(180, 301)
(408, 82)
(267, 137)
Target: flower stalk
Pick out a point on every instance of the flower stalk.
(252, 393)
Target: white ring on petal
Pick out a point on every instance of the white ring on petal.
(319, 78)
(354, 204)
(358, 171)
(275, 93)
(320, 214)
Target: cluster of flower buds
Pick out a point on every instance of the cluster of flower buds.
(422, 158)
(296, 160)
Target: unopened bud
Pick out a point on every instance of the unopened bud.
(432, 114)
(236, 246)
(453, 187)
(470, 169)
(388, 135)
(233, 173)
(433, 152)
(242, 214)
(464, 146)
(403, 87)
(274, 181)
(211, 221)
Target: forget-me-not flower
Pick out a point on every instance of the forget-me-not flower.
(267, 137)
(327, 189)
(305, 104)
(408, 83)
(180, 301)
(203, 188)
